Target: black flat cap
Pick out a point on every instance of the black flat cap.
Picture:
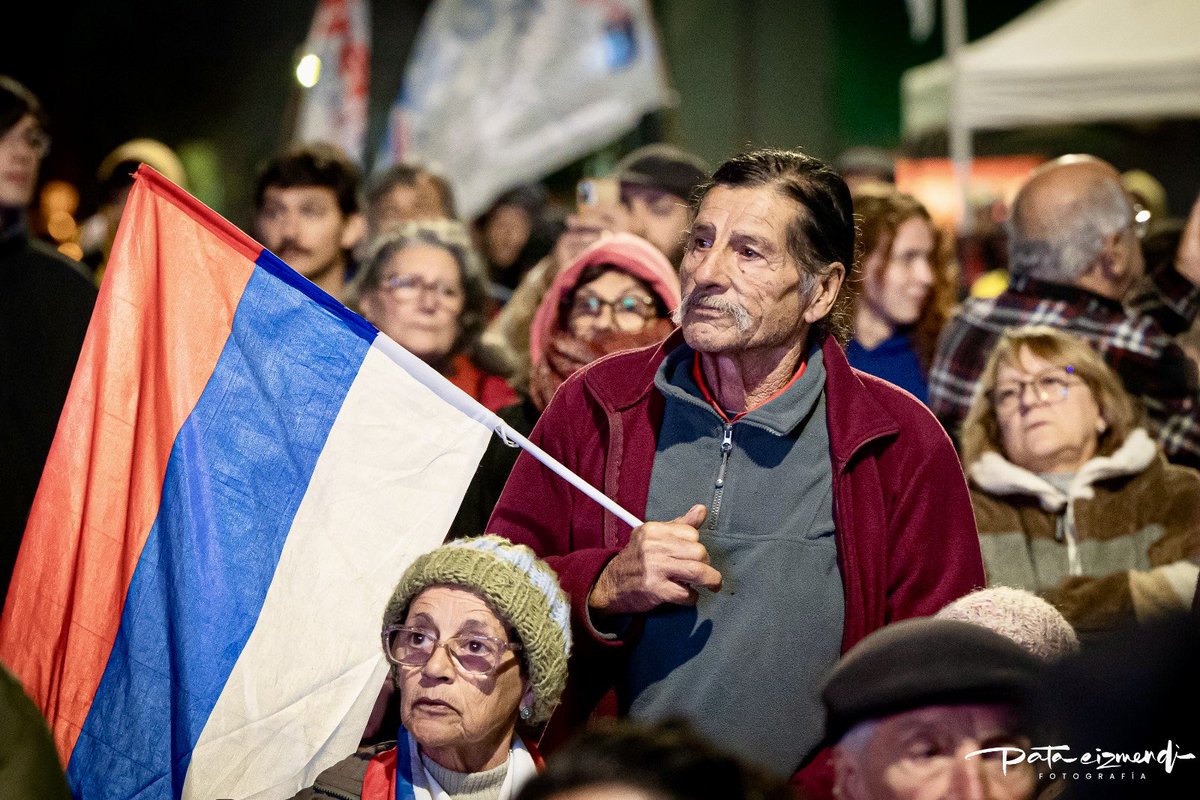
(924, 662)
(663, 167)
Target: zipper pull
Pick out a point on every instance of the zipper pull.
(726, 446)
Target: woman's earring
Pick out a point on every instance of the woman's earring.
(526, 712)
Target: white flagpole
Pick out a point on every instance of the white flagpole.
(447, 391)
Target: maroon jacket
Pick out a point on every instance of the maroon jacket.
(906, 537)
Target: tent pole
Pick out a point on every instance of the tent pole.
(954, 36)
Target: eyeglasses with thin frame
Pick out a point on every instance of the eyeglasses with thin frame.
(629, 312)
(1049, 386)
(472, 653)
(412, 287)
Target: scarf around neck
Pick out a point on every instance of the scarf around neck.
(399, 773)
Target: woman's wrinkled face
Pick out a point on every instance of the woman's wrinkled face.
(1049, 420)
(614, 301)
(418, 300)
(457, 718)
(898, 279)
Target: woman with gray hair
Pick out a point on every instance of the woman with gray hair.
(424, 286)
(478, 634)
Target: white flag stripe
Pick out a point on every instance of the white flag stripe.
(386, 486)
(468, 405)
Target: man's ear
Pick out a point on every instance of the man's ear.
(1108, 262)
(354, 228)
(823, 294)
(848, 778)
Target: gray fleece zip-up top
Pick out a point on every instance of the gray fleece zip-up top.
(744, 665)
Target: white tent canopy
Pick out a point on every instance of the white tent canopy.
(1067, 61)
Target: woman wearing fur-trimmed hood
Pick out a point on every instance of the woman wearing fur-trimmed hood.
(1073, 499)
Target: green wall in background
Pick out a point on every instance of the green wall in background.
(821, 75)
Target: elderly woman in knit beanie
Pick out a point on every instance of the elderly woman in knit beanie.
(618, 294)
(478, 635)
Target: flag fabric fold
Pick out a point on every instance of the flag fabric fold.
(240, 476)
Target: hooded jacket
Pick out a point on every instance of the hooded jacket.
(631, 254)
(1121, 544)
(905, 534)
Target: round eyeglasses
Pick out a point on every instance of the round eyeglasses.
(1049, 386)
(474, 654)
(629, 312)
(411, 287)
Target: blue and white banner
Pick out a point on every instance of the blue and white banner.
(502, 92)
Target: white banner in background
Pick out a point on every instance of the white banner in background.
(502, 92)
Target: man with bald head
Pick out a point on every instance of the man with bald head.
(1075, 262)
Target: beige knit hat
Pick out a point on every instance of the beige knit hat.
(520, 588)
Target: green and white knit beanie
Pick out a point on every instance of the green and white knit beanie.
(523, 591)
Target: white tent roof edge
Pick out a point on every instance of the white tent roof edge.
(1068, 61)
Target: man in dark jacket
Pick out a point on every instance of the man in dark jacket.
(809, 504)
(45, 305)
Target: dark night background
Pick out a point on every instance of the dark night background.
(215, 80)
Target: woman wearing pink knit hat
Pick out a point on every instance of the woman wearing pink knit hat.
(617, 295)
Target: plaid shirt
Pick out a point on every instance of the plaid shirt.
(1136, 340)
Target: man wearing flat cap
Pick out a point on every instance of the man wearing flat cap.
(656, 183)
(911, 705)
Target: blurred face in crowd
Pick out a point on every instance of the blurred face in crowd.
(898, 279)
(1049, 419)
(462, 721)
(305, 227)
(418, 300)
(659, 217)
(402, 204)
(614, 301)
(922, 755)
(507, 230)
(741, 285)
(608, 791)
(21, 150)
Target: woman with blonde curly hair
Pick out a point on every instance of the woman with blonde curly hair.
(905, 292)
(1073, 499)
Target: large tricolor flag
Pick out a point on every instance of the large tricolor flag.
(242, 471)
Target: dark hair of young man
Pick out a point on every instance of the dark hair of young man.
(312, 165)
(15, 103)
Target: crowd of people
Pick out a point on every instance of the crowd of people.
(883, 513)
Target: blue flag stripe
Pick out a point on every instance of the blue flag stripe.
(237, 473)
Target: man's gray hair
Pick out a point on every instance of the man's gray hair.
(854, 742)
(1060, 250)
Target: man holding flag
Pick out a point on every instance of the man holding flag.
(797, 504)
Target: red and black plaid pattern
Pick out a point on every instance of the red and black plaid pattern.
(1136, 341)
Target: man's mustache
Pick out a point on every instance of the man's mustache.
(291, 249)
(741, 317)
